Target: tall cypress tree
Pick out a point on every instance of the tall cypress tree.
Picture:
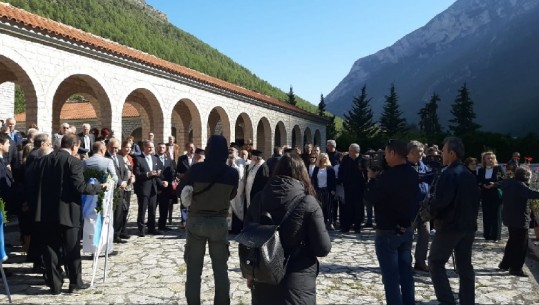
(463, 114)
(291, 97)
(391, 120)
(429, 123)
(322, 106)
(331, 129)
(358, 122)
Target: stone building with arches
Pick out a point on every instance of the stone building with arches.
(51, 62)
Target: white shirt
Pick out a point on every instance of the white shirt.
(322, 177)
(149, 161)
(488, 172)
(311, 169)
(171, 152)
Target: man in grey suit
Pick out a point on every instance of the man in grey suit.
(98, 161)
(113, 147)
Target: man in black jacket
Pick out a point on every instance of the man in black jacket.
(393, 193)
(454, 210)
(60, 184)
(113, 147)
(352, 176)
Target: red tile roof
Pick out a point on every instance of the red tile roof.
(81, 111)
(53, 27)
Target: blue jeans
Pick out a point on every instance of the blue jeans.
(394, 254)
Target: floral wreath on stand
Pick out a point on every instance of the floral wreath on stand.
(101, 177)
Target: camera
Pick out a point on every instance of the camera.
(373, 160)
(434, 162)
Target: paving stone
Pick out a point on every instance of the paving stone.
(151, 270)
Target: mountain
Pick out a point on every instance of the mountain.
(489, 44)
(136, 24)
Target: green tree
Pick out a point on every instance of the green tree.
(462, 122)
(358, 122)
(292, 97)
(391, 120)
(322, 106)
(331, 129)
(429, 123)
(20, 100)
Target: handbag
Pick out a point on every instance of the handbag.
(261, 252)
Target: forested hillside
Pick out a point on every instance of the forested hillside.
(134, 24)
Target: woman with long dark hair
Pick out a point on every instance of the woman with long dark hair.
(303, 234)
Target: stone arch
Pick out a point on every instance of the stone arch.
(218, 123)
(88, 87)
(317, 138)
(149, 109)
(280, 134)
(187, 122)
(307, 137)
(243, 129)
(11, 73)
(296, 137)
(263, 137)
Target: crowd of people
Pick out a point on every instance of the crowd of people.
(408, 187)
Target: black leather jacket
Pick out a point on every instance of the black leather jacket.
(456, 200)
(304, 226)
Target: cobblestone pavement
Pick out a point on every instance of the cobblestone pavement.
(151, 270)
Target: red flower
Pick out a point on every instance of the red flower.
(528, 159)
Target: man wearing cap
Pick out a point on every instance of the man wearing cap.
(199, 156)
(257, 176)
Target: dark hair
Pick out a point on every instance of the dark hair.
(291, 165)
(470, 160)
(3, 139)
(522, 174)
(399, 147)
(97, 147)
(40, 138)
(70, 140)
(456, 145)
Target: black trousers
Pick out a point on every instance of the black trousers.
(492, 217)
(515, 249)
(119, 213)
(354, 209)
(164, 202)
(326, 199)
(146, 203)
(59, 239)
(443, 244)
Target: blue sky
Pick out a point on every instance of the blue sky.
(309, 44)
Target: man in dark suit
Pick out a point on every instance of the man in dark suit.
(147, 173)
(185, 161)
(164, 195)
(257, 176)
(60, 184)
(113, 147)
(6, 178)
(86, 137)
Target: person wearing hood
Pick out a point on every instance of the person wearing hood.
(303, 235)
(214, 184)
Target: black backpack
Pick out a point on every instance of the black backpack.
(261, 252)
